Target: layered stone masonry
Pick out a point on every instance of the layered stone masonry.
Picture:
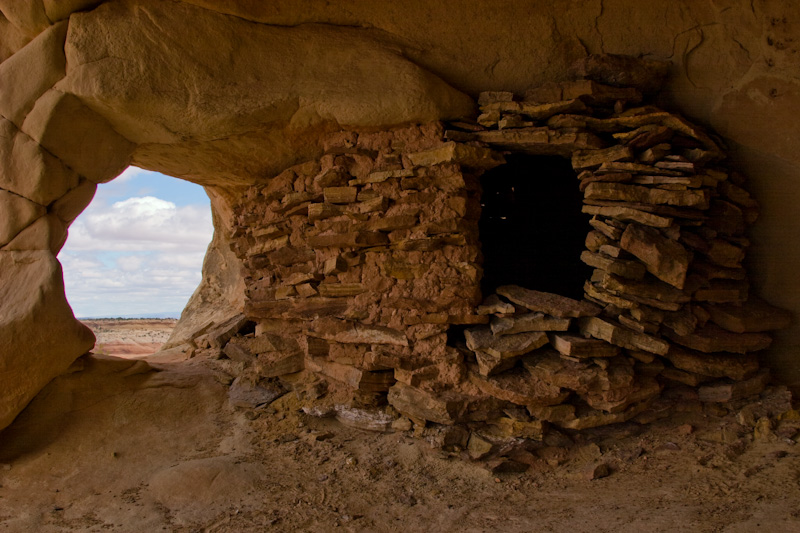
(358, 264)
(366, 257)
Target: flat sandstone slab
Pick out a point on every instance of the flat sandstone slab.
(737, 367)
(665, 258)
(713, 338)
(482, 339)
(621, 336)
(528, 322)
(548, 303)
(520, 388)
(576, 346)
(754, 316)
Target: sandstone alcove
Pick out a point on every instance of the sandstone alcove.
(343, 150)
(137, 250)
(81, 119)
(532, 230)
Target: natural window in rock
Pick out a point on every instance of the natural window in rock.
(137, 252)
(532, 230)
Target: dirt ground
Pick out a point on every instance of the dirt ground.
(155, 445)
(130, 337)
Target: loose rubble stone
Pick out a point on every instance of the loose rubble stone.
(443, 408)
(248, 395)
(369, 420)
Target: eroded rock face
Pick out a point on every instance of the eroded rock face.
(220, 294)
(229, 93)
(220, 80)
(37, 324)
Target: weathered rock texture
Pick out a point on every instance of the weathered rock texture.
(228, 94)
(359, 264)
(32, 299)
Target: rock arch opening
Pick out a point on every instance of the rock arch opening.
(136, 253)
(532, 230)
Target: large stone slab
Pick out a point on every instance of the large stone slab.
(540, 141)
(482, 339)
(39, 337)
(621, 192)
(649, 291)
(549, 303)
(753, 316)
(349, 332)
(520, 388)
(528, 322)
(356, 378)
(218, 79)
(13, 39)
(29, 16)
(575, 346)
(712, 338)
(733, 366)
(622, 336)
(621, 267)
(26, 75)
(726, 391)
(665, 258)
(496, 353)
(628, 214)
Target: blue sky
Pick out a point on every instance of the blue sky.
(138, 248)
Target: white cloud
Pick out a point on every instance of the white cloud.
(141, 224)
(139, 255)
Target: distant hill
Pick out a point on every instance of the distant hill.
(165, 314)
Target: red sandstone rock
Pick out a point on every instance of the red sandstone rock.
(551, 304)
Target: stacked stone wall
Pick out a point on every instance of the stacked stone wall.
(363, 267)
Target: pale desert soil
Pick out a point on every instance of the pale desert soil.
(130, 338)
(117, 445)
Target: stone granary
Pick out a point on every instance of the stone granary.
(508, 215)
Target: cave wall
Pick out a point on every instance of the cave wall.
(228, 93)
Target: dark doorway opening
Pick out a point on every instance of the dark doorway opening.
(532, 230)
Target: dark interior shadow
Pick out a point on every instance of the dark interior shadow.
(532, 230)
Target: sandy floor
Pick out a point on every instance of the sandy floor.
(117, 445)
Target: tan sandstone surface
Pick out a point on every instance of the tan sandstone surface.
(116, 445)
(227, 94)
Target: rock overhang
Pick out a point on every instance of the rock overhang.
(405, 37)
